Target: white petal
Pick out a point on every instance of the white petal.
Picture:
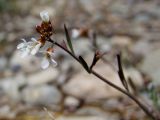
(44, 16)
(45, 63)
(20, 46)
(25, 53)
(35, 49)
(75, 33)
(34, 39)
(24, 40)
(30, 44)
(53, 62)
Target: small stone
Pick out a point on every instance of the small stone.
(11, 86)
(3, 63)
(42, 77)
(2, 36)
(122, 41)
(135, 75)
(111, 104)
(95, 111)
(82, 118)
(82, 45)
(41, 95)
(28, 64)
(151, 65)
(11, 37)
(142, 47)
(5, 111)
(89, 110)
(104, 44)
(71, 103)
(91, 88)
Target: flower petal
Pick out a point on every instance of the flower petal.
(25, 53)
(45, 63)
(21, 45)
(24, 40)
(44, 16)
(53, 62)
(33, 39)
(35, 49)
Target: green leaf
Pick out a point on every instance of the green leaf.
(85, 65)
(68, 39)
(121, 73)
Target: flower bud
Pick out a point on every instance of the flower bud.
(44, 16)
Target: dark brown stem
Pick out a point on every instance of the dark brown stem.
(142, 106)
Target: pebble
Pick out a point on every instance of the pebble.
(41, 95)
(151, 65)
(121, 41)
(42, 77)
(95, 111)
(3, 63)
(82, 118)
(29, 64)
(90, 88)
(11, 86)
(71, 103)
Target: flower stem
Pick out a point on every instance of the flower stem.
(147, 110)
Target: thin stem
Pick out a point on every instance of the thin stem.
(57, 44)
(142, 106)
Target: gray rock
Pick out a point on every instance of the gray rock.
(2, 36)
(11, 86)
(28, 64)
(135, 75)
(122, 41)
(95, 111)
(41, 95)
(5, 111)
(3, 63)
(93, 6)
(71, 103)
(43, 76)
(111, 104)
(82, 46)
(120, 9)
(151, 65)
(142, 47)
(104, 44)
(83, 118)
(91, 88)
(89, 110)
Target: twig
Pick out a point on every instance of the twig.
(148, 111)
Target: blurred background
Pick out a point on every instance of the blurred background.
(67, 91)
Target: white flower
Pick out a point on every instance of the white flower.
(27, 48)
(48, 59)
(44, 16)
(75, 33)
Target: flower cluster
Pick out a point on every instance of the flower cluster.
(33, 47)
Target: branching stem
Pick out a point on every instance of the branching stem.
(148, 111)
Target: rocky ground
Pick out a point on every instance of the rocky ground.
(67, 91)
